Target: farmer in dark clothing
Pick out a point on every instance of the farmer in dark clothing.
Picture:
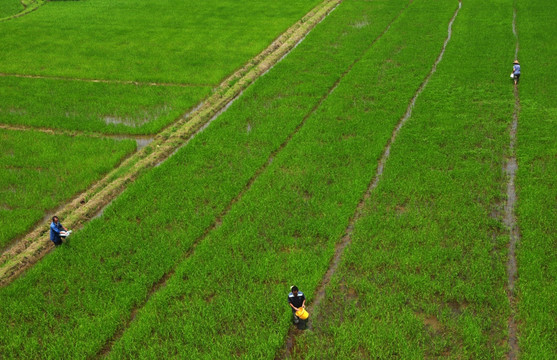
(296, 300)
(55, 229)
(516, 72)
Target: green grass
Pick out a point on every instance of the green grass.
(229, 298)
(198, 42)
(537, 181)
(156, 220)
(39, 171)
(10, 7)
(424, 276)
(98, 107)
(164, 41)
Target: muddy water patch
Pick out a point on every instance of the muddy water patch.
(137, 121)
(140, 140)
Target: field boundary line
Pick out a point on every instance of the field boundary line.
(71, 133)
(36, 243)
(358, 213)
(27, 10)
(218, 220)
(104, 81)
(511, 167)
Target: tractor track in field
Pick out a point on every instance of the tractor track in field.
(104, 81)
(218, 220)
(347, 238)
(509, 220)
(33, 246)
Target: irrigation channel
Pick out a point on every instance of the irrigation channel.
(33, 246)
(347, 238)
(510, 220)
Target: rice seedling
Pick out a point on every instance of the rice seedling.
(96, 107)
(229, 297)
(10, 7)
(163, 42)
(424, 276)
(38, 171)
(145, 232)
(536, 181)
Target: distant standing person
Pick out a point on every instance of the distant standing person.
(57, 230)
(516, 71)
(296, 300)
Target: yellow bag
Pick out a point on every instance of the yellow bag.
(302, 313)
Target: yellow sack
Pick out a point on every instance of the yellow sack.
(302, 313)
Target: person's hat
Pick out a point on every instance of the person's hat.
(515, 62)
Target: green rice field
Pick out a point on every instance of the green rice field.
(369, 167)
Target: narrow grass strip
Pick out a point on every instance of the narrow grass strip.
(536, 181)
(229, 298)
(511, 168)
(147, 230)
(424, 276)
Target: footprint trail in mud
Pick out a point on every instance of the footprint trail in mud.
(509, 217)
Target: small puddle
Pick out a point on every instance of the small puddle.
(140, 140)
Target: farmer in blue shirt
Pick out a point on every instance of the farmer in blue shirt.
(516, 71)
(296, 300)
(55, 228)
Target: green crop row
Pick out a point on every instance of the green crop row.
(10, 7)
(99, 107)
(76, 298)
(39, 171)
(537, 181)
(424, 275)
(228, 299)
